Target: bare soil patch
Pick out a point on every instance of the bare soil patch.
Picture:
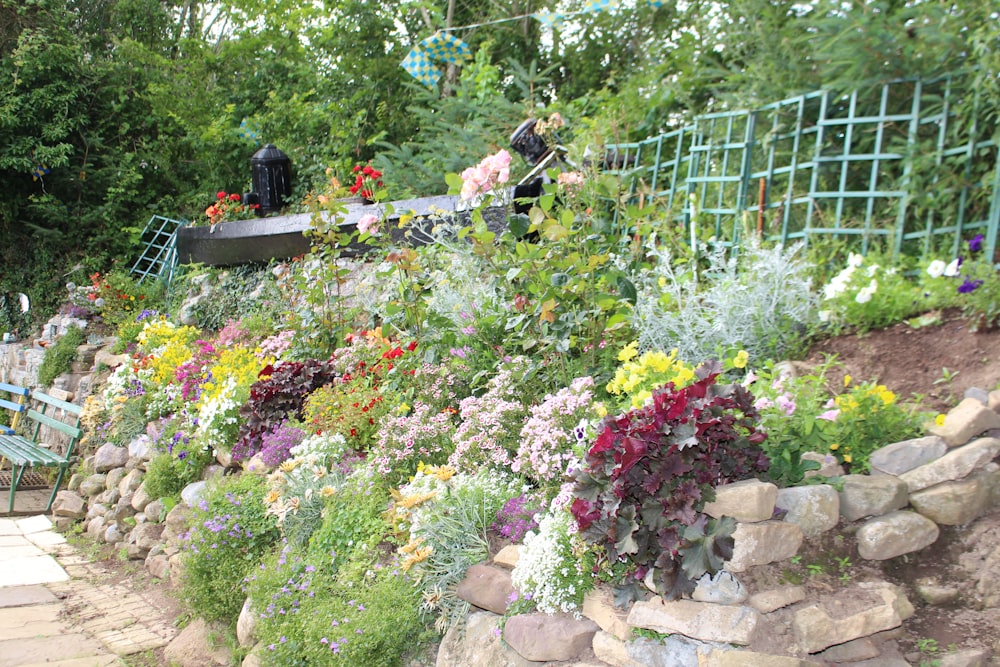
(935, 364)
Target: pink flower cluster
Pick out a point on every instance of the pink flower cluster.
(489, 424)
(486, 175)
(421, 435)
(549, 435)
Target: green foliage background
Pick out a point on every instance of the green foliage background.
(138, 107)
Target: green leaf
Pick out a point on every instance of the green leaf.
(519, 224)
(454, 182)
(558, 279)
(627, 289)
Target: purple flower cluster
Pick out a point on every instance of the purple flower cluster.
(277, 443)
(517, 517)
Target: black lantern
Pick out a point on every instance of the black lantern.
(529, 145)
(271, 171)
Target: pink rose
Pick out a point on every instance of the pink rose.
(368, 224)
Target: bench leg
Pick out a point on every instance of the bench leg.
(16, 472)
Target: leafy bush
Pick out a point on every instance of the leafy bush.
(802, 414)
(215, 297)
(352, 522)
(165, 476)
(299, 488)
(59, 357)
(651, 470)
(277, 397)
(118, 298)
(759, 300)
(312, 615)
(231, 531)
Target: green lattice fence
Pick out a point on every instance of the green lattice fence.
(896, 165)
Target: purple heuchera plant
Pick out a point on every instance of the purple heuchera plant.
(651, 470)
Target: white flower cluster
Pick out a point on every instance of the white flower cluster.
(324, 446)
(217, 418)
(547, 569)
(938, 268)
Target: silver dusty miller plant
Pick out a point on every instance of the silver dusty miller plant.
(758, 299)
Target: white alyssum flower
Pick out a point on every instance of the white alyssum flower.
(547, 568)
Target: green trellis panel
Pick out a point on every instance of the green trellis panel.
(893, 165)
(159, 255)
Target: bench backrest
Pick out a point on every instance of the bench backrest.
(17, 405)
(45, 409)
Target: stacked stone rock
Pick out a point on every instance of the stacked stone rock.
(115, 508)
(947, 478)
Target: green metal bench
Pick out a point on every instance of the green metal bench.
(25, 451)
(16, 406)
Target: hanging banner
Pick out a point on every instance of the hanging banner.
(601, 6)
(446, 48)
(655, 3)
(549, 19)
(421, 67)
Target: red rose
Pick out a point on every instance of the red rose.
(220, 195)
(234, 197)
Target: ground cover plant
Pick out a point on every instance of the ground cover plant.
(567, 405)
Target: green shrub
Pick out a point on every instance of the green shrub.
(165, 476)
(352, 521)
(242, 292)
(310, 616)
(231, 531)
(759, 301)
(59, 357)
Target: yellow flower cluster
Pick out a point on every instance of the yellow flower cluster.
(160, 331)
(443, 473)
(639, 375)
(409, 502)
(165, 362)
(236, 363)
(845, 455)
(850, 402)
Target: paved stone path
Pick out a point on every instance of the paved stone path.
(54, 611)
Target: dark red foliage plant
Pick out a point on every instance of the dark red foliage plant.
(278, 395)
(639, 497)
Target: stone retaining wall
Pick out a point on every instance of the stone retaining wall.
(947, 478)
